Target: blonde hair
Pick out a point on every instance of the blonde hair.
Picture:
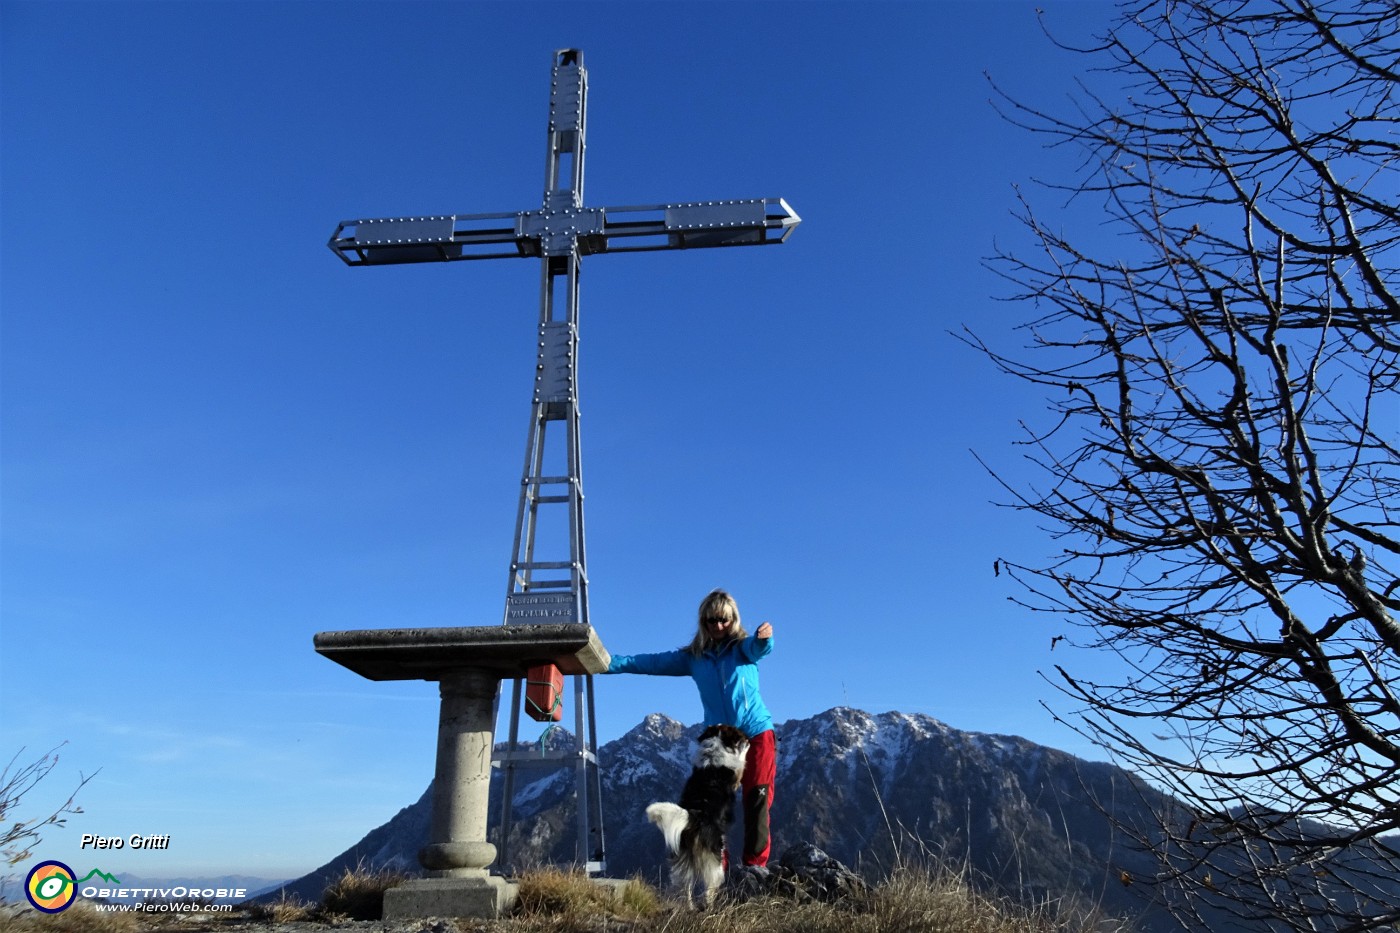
(717, 605)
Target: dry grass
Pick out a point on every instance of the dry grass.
(80, 918)
(909, 900)
(358, 894)
(905, 903)
(570, 895)
(285, 909)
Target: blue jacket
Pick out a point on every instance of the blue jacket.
(727, 678)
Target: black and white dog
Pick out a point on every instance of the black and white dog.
(695, 829)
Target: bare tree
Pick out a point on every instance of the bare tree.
(1219, 340)
(18, 837)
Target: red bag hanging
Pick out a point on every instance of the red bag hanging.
(544, 693)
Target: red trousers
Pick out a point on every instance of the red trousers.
(760, 770)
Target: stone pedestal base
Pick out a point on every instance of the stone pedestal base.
(487, 897)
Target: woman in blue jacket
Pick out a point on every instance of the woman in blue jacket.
(723, 659)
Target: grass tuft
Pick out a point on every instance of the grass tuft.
(286, 909)
(571, 895)
(358, 894)
(639, 899)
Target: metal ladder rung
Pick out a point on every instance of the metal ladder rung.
(544, 565)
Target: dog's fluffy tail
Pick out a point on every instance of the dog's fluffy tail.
(671, 820)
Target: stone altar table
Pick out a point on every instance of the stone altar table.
(468, 664)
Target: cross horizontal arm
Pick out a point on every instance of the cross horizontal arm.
(546, 232)
(755, 222)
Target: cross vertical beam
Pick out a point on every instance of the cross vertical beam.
(557, 589)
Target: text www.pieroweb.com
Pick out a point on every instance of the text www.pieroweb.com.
(163, 908)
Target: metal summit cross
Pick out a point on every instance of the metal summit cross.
(546, 618)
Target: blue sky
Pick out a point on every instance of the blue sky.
(219, 440)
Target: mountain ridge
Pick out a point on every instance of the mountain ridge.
(878, 792)
(873, 790)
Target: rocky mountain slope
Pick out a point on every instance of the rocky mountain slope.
(874, 791)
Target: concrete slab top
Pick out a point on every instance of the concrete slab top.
(430, 653)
